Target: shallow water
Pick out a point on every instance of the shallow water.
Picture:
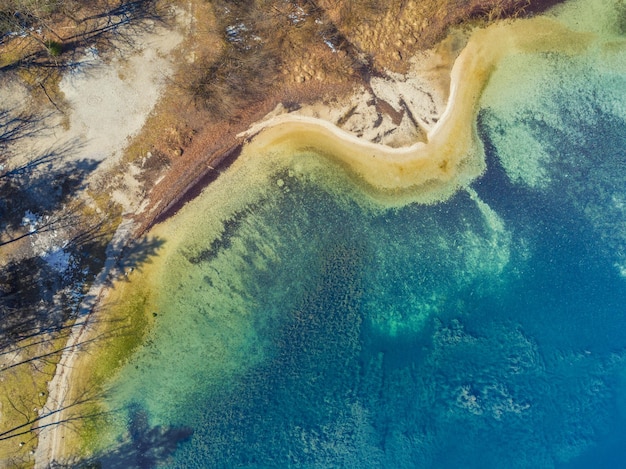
(299, 326)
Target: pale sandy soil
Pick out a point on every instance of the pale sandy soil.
(107, 98)
(396, 110)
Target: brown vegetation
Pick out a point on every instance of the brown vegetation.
(254, 55)
(390, 32)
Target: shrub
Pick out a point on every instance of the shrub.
(54, 48)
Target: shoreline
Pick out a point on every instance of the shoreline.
(221, 162)
(452, 153)
(50, 415)
(438, 160)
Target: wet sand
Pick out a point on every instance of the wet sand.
(452, 155)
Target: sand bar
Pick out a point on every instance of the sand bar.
(452, 154)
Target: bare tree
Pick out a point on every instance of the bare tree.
(29, 28)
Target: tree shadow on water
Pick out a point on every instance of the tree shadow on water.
(144, 447)
(139, 253)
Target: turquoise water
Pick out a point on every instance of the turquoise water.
(307, 329)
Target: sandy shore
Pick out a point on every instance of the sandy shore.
(450, 155)
(105, 109)
(50, 446)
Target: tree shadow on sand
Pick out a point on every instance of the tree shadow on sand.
(38, 184)
(15, 126)
(51, 244)
(36, 300)
(38, 223)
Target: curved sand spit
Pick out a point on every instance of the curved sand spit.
(452, 154)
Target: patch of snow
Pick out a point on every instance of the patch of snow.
(57, 258)
(234, 32)
(30, 219)
(330, 45)
(240, 34)
(298, 16)
(92, 52)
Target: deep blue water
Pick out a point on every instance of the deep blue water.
(422, 337)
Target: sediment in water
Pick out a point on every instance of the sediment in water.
(453, 155)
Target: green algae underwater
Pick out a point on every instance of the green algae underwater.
(299, 323)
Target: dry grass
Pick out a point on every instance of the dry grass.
(391, 32)
(23, 391)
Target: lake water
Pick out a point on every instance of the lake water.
(301, 326)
